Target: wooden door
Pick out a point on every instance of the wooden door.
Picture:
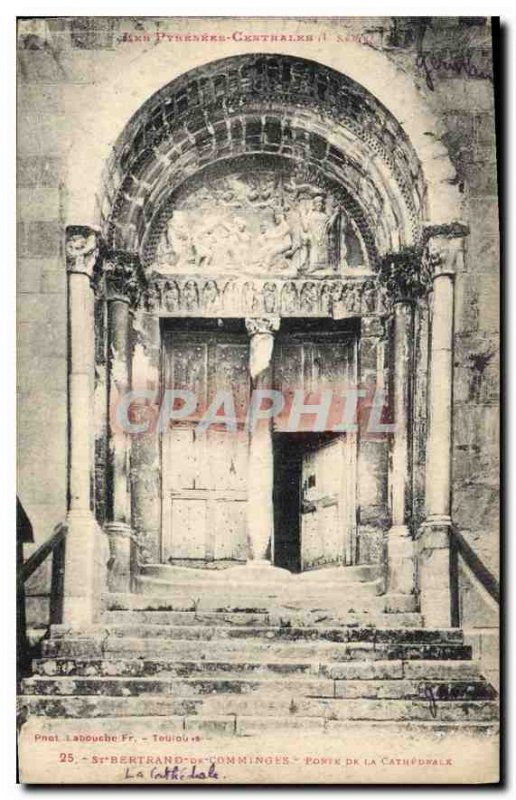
(327, 508)
(317, 363)
(205, 474)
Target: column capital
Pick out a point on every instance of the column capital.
(403, 276)
(444, 249)
(82, 249)
(123, 278)
(256, 325)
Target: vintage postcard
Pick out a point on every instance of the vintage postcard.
(258, 400)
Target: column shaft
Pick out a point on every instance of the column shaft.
(84, 552)
(403, 338)
(260, 508)
(438, 471)
(122, 276)
(401, 578)
(80, 388)
(119, 332)
(443, 254)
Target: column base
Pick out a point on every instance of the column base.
(434, 571)
(401, 593)
(396, 603)
(85, 562)
(120, 536)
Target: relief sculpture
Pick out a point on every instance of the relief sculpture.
(260, 224)
(336, 298)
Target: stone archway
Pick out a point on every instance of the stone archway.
(297, 115)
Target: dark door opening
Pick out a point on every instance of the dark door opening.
(297, 482)
(286, 498)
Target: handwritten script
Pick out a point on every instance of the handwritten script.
(456, 65)
(174, 773)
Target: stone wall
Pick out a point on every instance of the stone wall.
(76, 74)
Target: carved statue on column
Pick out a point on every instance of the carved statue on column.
(82, 249)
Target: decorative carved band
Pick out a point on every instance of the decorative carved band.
(259, 325)
(82, 249)
(296, 297)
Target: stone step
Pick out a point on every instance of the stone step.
(260, 618)
(256, 594)
(329, 709)
(341, 605)
(270, 633)
(362, 729)
(350, 670)
(245, 575)
(267, 686)
(177, 728)
(321, 650)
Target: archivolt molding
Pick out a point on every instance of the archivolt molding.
(275, 105)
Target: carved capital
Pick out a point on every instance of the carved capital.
(256, 325)
(123, 278)
(404, 276)
(444, 249)
(82, 249)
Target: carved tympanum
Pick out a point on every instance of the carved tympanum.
(257, 223)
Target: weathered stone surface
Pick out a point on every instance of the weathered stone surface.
(141, 667)
(283, 706)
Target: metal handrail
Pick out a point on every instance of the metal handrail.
(484, 576)
(36, 559)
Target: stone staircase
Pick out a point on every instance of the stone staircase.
(243, 652)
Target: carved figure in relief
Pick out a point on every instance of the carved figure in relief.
(231, 297)
(316, 225)
(210, 295)
(250, 298)
(152, 299)
(190, 296)
(240, 240)
(276, 241)
(369, 298)
(326, 298)
(308, 298)
(171, 296)
(175, 246)
(354, 299)
(289, 298)
(269, 298)
(383, 301)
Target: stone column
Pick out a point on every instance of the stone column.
(443, 256)
(401, 276)
(260, 509)
(122, 288)
(83, 548)
(401, 578)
